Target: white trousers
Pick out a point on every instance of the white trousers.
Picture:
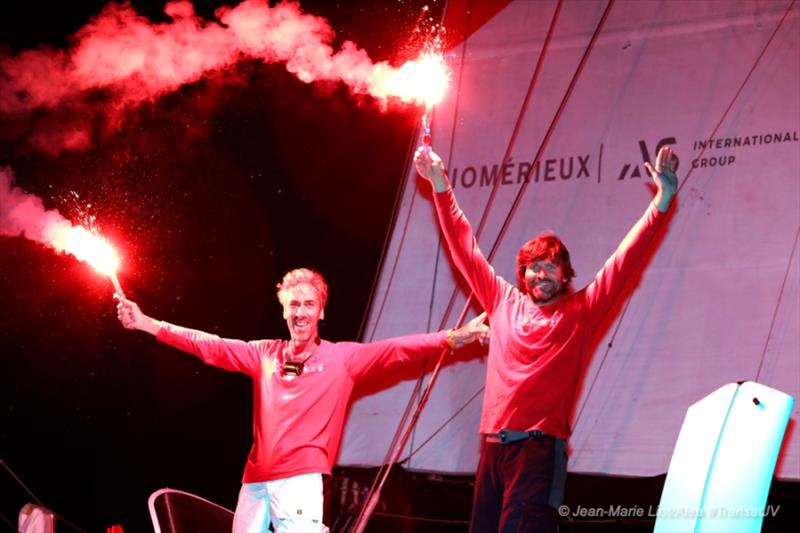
(294, 504)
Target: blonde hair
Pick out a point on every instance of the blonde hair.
(297, 276)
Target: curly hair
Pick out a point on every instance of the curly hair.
(545, 246)
(303, 275)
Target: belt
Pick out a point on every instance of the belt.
(508, 436)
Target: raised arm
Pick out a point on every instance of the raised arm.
(230, 354)
(431, 167)
(389, 353)
(458, 233)
(627, 258)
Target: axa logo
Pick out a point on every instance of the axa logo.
(637, 170)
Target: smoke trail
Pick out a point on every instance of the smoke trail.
(23, 214)
(120, 59)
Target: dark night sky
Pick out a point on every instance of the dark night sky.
(210, 193)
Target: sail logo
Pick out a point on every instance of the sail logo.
(638, 170)
(557, 169)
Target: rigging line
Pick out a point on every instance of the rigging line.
(452, 143)
(372, 502)
(38, 501)
(553, 123)
(423, 519)
(451, 147)
(777, 305)
(443, 425)
(484, 216)
(410, 405)
(624, 311)
(404, 233)
(16, 477)
(418, 385)
(11, 524)
(398, 200)
(741, 87)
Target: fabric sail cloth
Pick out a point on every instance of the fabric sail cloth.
(717, 302)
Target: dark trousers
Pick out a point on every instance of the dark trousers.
(519, 486)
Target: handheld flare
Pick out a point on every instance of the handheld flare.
(89, 246)
(426, 131)
(433, 80)
(117, 287)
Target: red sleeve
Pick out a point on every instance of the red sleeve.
(625, 261)
(465, 252)
(230, 354)
(364, 359)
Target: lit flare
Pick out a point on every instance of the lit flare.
(90, 247)
(423, 80)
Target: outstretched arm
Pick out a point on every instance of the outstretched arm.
(391, 353)
(627, 258)
(230, 354)
(458, 233)
(474, 330)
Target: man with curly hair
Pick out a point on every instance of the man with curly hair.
(539, 349)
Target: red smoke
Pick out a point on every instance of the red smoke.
(23, 214)
(122, 59)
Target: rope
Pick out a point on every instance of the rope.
(442, 426)
(777, 305)
(37, 500)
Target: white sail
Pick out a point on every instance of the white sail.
(718, 301)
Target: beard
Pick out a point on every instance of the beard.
(543, 291)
